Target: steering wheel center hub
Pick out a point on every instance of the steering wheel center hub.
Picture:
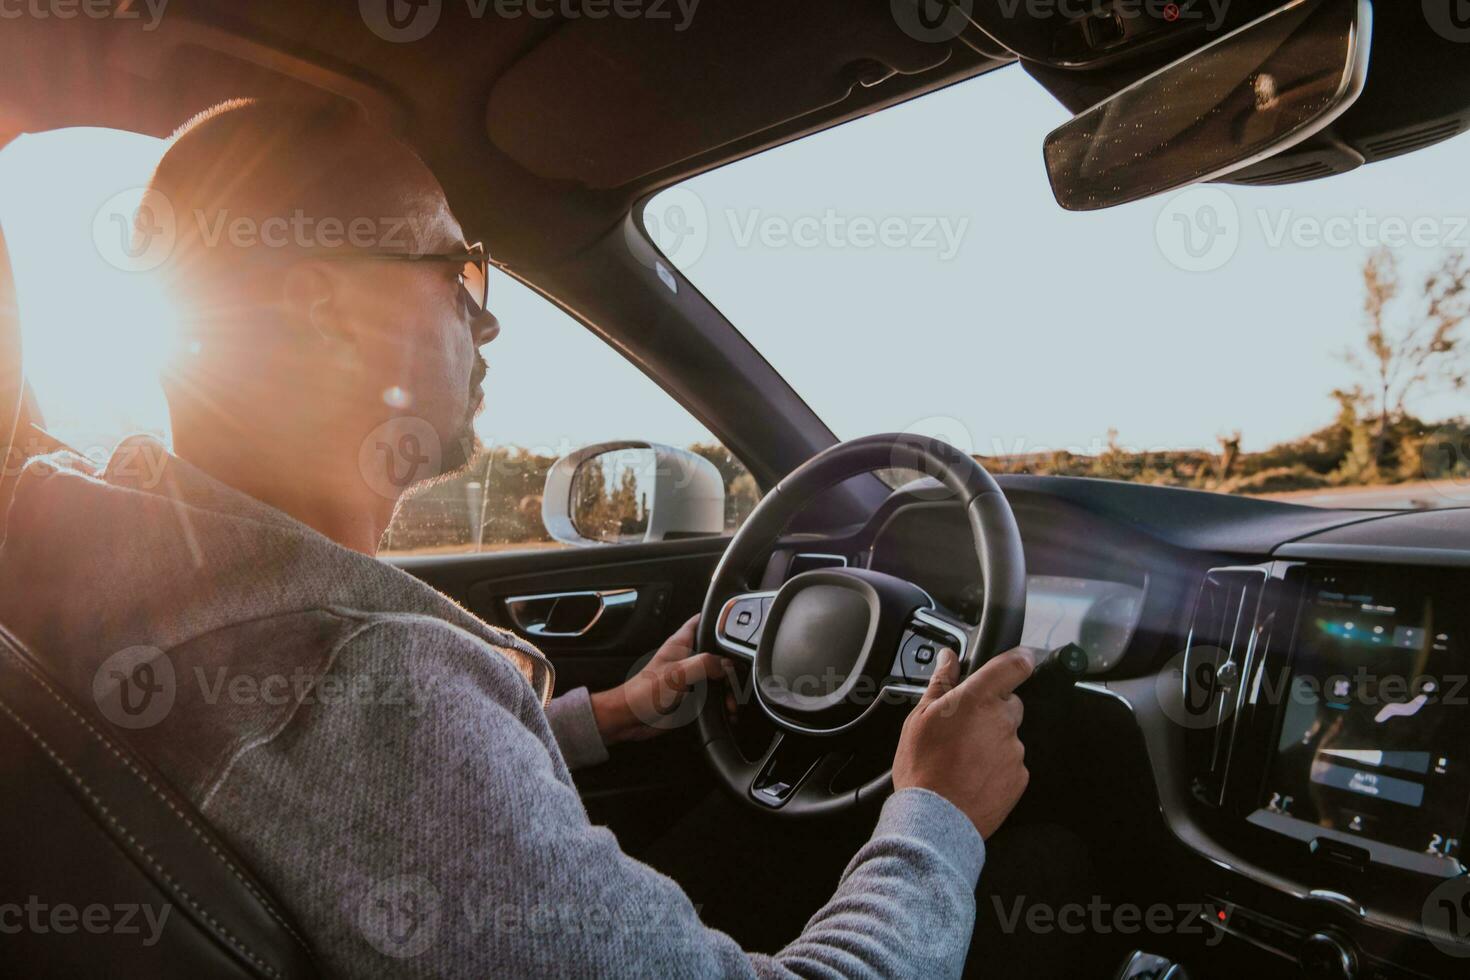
(828, 644)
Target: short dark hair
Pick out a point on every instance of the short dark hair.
(244, 162)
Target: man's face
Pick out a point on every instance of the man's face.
(419, 334)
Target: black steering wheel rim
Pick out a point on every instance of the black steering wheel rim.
(997, 627)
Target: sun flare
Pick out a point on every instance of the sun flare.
(96, 332)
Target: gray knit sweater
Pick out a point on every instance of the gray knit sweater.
(388, 762)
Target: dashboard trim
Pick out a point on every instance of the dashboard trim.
(1378, 554)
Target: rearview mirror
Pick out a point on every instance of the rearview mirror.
(1257, 91)
(625, 492)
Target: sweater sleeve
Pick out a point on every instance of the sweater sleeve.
(575, 729)
(448, 840)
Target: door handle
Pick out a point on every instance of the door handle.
(567, 614)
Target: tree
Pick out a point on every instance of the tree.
(1229, 454)
(1419, 353)
(741, 491)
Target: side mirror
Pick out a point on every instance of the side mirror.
(1252, 94)
(624, 492)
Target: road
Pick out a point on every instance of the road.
(1426, 495)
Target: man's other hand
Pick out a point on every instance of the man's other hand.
(960, 740)
(635, 710)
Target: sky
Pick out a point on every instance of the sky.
(909, 270)
(1044, 328)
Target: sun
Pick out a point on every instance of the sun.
(96, 332)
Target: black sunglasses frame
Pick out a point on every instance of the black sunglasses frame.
(474, 253)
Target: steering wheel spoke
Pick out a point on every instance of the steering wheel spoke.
(929, 631)
(741, 620)
(797, 772)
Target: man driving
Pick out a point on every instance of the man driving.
(390, 764)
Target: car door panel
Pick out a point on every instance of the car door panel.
(644, 786)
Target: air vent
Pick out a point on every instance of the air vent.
(1289, 175)
(1408, 140)
(1319, 158)
(1217, 659)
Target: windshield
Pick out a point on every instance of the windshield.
(911, 271)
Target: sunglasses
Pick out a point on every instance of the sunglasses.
(474, 273)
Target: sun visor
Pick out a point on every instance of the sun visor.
(652, 92)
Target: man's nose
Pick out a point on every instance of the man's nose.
(485, 328)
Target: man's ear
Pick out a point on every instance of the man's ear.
(310, 297)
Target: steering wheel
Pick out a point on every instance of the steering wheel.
(830, 648)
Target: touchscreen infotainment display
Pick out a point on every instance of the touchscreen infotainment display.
(1375, 734)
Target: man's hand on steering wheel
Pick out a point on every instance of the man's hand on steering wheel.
(960, 740)
(636, 709)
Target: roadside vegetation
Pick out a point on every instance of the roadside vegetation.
(1412, 346)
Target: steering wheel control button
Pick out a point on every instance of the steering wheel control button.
(1072, 659)
(744, 620)
(920, 654)
(1057, 671)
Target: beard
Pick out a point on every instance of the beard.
(459, 450)
(463, 444)
(458, 444)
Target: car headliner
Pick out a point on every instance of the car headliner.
(543, 130)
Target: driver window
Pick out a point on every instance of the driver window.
(554, 387)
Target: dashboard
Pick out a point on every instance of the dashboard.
(931, 547)
(1277, 717)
